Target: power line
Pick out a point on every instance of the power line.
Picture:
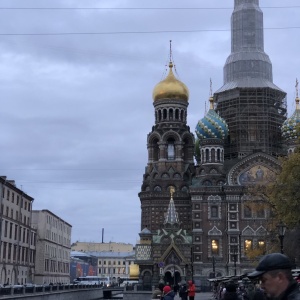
(135, 32)
(139, 8)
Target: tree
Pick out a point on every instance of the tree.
(284, 193)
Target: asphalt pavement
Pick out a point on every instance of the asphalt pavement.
(199, 296)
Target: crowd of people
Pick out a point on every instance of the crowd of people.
(186, 291)
(272, 280)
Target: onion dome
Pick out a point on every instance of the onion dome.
(170, 88)
(212, 125)
(288, 128)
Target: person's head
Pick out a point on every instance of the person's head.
(274, 271)
(167, 289)
(231, 288)
(190, 282)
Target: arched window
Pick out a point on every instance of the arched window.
(213, 152)
(171, 117)
(176, 114)
(206, 155)
(171, 150)
(218, 155)
(164, 114)
(155, 150)
(159, 115)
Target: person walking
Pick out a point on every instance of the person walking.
(231, 293)
(168, 294)
(183, 291)
(274, 271)
(191, 290)
(158, 292)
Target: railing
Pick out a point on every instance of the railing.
(23, 290)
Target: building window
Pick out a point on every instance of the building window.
(260, 213)
(171, 150)
(248, 245)
(215, 247)
(261, 245)
(214, 211)
(247, 212)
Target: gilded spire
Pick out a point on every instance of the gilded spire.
(171, 216)
(170, 87)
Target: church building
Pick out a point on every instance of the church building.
(196, 218)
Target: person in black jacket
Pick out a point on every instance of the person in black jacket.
(274, 271)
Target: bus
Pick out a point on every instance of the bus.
(91, 280)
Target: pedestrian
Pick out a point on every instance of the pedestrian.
(274, 271)
(158, 292)
(176, 288)
(183, 291)
(231, 293)
(191, 290)
(168, 294)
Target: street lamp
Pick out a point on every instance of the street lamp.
(281, 232)
(215, 251)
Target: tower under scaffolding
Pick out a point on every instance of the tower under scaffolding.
(254, 117)
(251, 104)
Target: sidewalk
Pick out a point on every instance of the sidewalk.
(199, 296)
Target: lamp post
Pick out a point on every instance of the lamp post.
(281, 232)
(192, 262)
(234, 259)
(214, 267)
(215, 251)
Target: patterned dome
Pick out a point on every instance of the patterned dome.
(212, 125)
(288, 128)
(170, 87)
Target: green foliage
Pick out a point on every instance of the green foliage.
(284, 193)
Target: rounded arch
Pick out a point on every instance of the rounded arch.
(188, 138)
(153, 137)
(157, 188)
(155, 175)
(171, 135)
(146, 270)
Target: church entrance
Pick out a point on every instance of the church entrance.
(172, 278)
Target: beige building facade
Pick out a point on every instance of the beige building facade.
(17, 238)
(99, 247)
(53, 247)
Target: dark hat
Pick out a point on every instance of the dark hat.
(273, 261)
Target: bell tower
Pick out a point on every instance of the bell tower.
(170, 147)
(251, 104)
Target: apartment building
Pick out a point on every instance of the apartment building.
(53, 247)
(17, 238)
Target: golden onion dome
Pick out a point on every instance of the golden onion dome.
(170, 88)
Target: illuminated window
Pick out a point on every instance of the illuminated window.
(248, 245)
(261, 245)
(215, 247)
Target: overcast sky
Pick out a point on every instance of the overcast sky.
(76, 108)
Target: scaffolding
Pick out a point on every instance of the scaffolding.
(254, 117)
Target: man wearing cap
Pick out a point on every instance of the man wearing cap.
(274, 271)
